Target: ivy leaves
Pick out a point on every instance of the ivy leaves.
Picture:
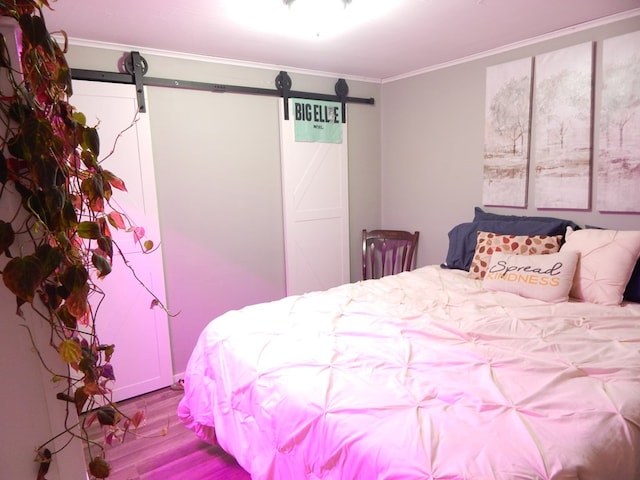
(56, 239)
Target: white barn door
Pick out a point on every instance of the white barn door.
(316, 210)
(142, 359)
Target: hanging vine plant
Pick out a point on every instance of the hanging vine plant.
(56, 243)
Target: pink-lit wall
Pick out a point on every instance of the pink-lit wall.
(217, 164)
(415, 163)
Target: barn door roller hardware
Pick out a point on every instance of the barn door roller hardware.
(137, 67)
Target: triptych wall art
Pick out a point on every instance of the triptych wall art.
(539, 119)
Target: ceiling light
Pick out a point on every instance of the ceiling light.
(290, 2)
(311, 19)
(317, 17)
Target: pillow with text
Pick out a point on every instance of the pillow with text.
(546, 277)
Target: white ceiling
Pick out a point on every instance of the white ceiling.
(418, 35)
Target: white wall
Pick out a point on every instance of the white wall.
(433, 146)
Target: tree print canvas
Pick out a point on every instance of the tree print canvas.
(562, 127)
(506, 144)
(618, 185)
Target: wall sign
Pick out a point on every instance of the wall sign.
(317, 121)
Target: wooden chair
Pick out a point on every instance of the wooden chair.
(387, 252)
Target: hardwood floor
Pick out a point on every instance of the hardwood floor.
(177, 455)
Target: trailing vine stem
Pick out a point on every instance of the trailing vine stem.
(57, 241)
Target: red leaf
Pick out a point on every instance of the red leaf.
(99, 468)
(137, 418)
(107, 372)
(138, 234)
(21, 275)
(116, 220)
(114, 181)
(77, 304)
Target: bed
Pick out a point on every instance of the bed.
(428, 374)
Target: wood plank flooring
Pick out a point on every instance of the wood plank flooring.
(177, 455)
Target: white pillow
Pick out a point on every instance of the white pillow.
(545, 277)
(607, 258)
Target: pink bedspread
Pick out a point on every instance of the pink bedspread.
(422, 375)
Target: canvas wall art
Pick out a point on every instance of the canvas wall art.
(618, 162)
(562, 128)
(506, 145)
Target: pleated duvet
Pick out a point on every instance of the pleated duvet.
(421, 375)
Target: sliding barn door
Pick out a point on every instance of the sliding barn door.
(316, 210)
(142, 359)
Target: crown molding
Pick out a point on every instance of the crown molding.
(524, 43)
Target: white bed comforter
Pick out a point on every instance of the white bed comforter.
(421, 375)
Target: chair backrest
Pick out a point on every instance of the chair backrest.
(386, 252)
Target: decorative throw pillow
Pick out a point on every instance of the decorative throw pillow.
(463, 237)
(607, 258)
(543, 277)
(489, 243)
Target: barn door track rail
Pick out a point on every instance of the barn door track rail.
(136, 67)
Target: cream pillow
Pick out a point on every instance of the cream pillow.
(487, 243)
(545, 277)
(607, 258)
